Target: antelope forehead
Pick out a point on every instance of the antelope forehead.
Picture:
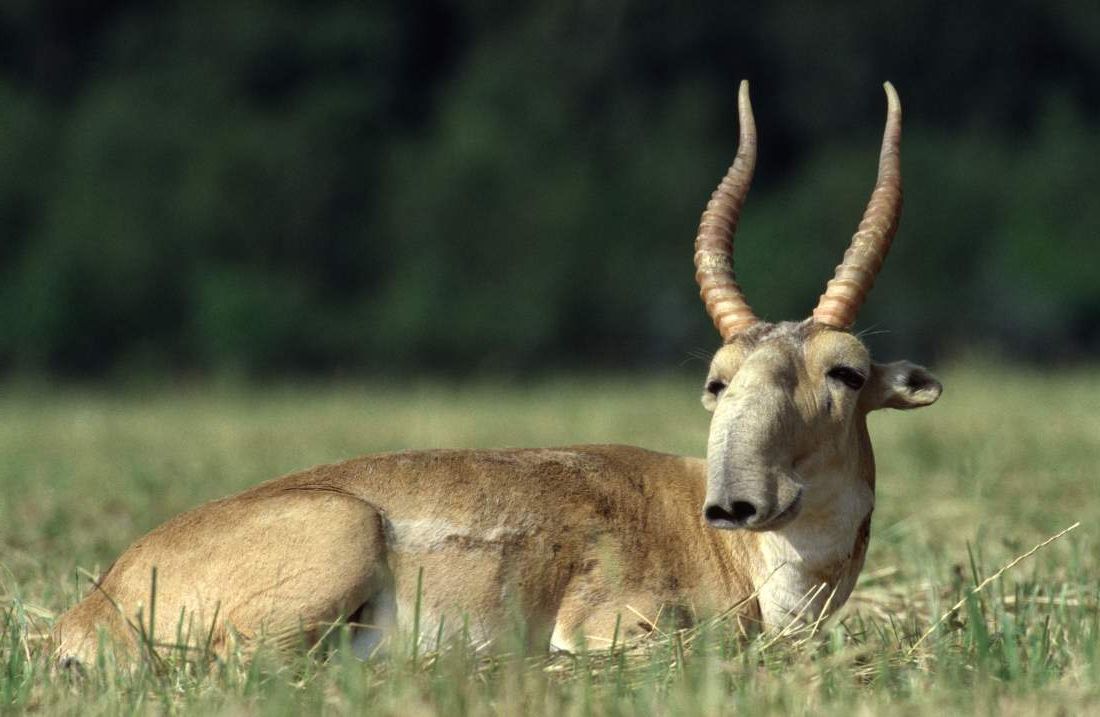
(767, 343)
(836, 348)
(792, 333)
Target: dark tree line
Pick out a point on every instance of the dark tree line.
(378, 187)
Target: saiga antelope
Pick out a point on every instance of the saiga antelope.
(569, 539)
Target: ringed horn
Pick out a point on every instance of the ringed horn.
(854, 277)
(714, 243)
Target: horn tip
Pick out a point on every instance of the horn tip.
(743, 101)
(744, 115)
(892, 99)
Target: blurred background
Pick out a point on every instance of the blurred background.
(294, 189)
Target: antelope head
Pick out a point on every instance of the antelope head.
(788, 439)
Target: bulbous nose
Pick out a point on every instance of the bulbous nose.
(738, 514)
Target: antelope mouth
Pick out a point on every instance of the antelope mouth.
(780, 519)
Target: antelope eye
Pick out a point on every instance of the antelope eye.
(848, 376)
(715, 387)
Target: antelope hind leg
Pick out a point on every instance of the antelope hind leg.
(276, 568)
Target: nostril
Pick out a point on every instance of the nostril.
(743, 510)
(738, 513)
(716, 514)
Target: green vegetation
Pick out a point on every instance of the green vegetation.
(265, 188)
(1005, 459)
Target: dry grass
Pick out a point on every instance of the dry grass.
(1006, 460)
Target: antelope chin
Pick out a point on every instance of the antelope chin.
(781, 518)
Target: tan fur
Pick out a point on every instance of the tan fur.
(568, 537)
(569, 541)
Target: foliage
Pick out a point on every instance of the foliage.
(388, 187)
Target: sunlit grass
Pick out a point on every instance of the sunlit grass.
(1005, 459)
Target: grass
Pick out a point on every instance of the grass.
(1005, 460)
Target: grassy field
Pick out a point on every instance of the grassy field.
(1004, 460)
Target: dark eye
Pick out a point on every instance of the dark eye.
(715, 387)
(848, 376)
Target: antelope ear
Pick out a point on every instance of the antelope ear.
(900, 384)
